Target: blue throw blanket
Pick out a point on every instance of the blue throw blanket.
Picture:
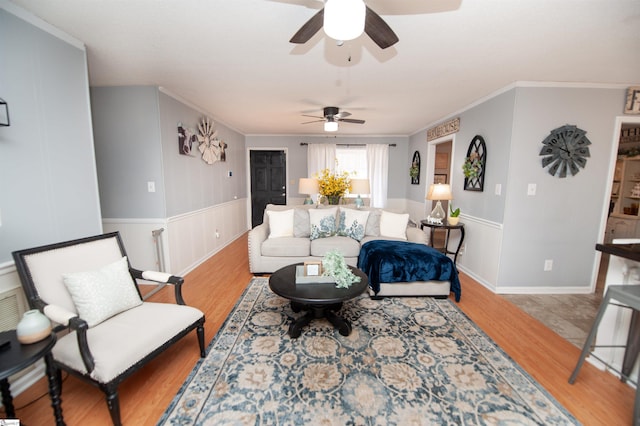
(397, 261)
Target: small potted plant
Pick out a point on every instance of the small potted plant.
(454, 215)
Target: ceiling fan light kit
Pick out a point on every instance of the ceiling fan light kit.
(344, 19)
(331, 126)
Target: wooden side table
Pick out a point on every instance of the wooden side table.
(459, 226)
(15, 357)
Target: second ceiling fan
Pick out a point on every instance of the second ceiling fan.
(333, 115)
(345, 20)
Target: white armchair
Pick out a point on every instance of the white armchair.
(87, 287)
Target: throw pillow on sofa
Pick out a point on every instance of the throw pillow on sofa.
(280, 223)
(323, 222)
(394, 225)
(353, 223)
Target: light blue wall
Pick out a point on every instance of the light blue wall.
(562, 221)
(126, 128)
(297, 161)
(493, 121)
(136, 133)
(48, 185)
(192, 184)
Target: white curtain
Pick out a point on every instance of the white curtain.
(320, 157)
(378, 171)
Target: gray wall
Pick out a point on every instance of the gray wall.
(48, 186)
(297, 161)
(493, 121)
(136, 137)
(126, 128)
(562, 221)
(192, 184)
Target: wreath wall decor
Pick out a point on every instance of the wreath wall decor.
(414, 170)
(474, 165)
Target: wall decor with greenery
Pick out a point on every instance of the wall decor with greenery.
(414, 170)
(474, 165)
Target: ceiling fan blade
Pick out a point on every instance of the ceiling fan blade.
(314, 121)
(312, 116)
(378, 30)
(342, 114)
(309, 29)
(351, 120)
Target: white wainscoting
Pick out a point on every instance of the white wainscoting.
(196, 236)
(187, 240)
(480, 255)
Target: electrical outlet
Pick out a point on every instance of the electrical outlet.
(548, 265)
(217, 234)
(151, 186)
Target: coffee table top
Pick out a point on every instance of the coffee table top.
(283, 283)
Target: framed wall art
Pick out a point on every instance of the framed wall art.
(474, 165)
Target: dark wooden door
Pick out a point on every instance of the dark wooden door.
(268, 182)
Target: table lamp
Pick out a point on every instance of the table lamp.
(359, 186)
(308, 186)
(438, 192)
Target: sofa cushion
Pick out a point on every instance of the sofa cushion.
(301, 225)
(353, 223)
(373, 223)
(280, 223)
(323, 222)
(347, 246)
(286, 247)
(394, 225)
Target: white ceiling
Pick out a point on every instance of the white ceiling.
(233, 59)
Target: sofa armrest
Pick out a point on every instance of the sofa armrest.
(416, 235)
(256, 237)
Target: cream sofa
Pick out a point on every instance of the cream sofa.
(267, 255)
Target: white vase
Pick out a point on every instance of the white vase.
(453, 220)
(33, 327)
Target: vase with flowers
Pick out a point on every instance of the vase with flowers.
(332, 185)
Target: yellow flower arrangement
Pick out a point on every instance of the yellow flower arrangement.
(333, 184)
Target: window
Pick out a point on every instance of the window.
(352, 160)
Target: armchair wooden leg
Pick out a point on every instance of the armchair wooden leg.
(113, 402)
(200, 333)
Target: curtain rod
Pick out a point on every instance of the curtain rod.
(347, 144)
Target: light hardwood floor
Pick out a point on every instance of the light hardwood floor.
(597, 398)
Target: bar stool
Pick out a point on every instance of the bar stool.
(629, 296)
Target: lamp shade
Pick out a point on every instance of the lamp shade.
(360, 186)
(308, 186)
(439, 191)
(344, 19)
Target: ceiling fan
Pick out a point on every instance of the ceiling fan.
(345, 20)
(332, 115)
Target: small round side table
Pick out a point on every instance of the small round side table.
(14, 357)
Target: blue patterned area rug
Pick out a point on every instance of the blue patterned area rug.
(408, 361)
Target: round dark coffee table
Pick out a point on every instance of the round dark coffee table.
(320, 300)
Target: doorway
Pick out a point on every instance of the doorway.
(268, 177)
(621, 221)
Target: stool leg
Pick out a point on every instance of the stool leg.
(592, 335)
